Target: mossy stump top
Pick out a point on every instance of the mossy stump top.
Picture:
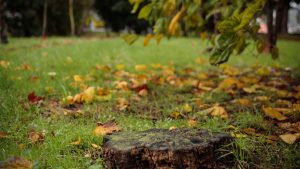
(164, 149)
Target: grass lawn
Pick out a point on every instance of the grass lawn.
(65, 67)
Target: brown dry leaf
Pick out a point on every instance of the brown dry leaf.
(122, 104)
(250, 90)
(273, 113)
(249, 131)
(293, 127)
(219, 111)
(229, 83)
(192, 122)
(34, 136)
(16, 163)
(106, 128)
(290, 138)
(244, 102)
(261, 98)
(3, 134)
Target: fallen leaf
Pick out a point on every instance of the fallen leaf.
(3, 134)
(34, 137)
(106, 128)
(120, 66)
(172, 128)
(229, 83)
(89, 95)
(140, 67)
(290, 138)
(273, 113)
(16, 163)
(78, 78)
(77, 142)
(249, 131)
(192, 122)
(244, 102)
(122, 104)
(4, 64)
(219, 111)
(95, 146)
(34, 98)
(187, 108)
(176, 115)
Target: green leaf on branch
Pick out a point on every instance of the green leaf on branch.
(145, 12)
(130, 38)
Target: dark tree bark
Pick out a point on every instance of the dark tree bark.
(285, 16)
(272, 36)
(3, 26)
(282, 16)
(163, 148)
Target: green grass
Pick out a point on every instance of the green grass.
(57, 151)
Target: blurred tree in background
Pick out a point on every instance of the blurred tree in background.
(118, 16)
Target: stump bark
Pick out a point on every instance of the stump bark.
(166, 149)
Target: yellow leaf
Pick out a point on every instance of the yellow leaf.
(273, 113)
(4, 64)
(175, 115)
(244, 102)
(251, 89)
(77, 142)
(219, 111)
(106, 128)
(78, 98)
(96, 146)
(229, 83)
(140, 67)
(158, 38)
(290, 138)
(147, 39)
(192, 122)
(187, 108)
(122, 104)
(174, 22)
(172, 128)
(77, 78)
(89, 95)
(237, 135)
(120, 66)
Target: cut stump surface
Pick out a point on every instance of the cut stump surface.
(163, 148)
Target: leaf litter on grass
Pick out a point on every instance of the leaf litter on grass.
(160, 92)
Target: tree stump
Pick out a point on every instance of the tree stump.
(164, 149)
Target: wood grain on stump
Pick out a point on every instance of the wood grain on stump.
(164, 149)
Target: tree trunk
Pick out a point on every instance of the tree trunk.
(71, 15)
(3, 26)
(272, 37)
(45, 13)
(163, 148)
(279, 15)
(285, 17)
